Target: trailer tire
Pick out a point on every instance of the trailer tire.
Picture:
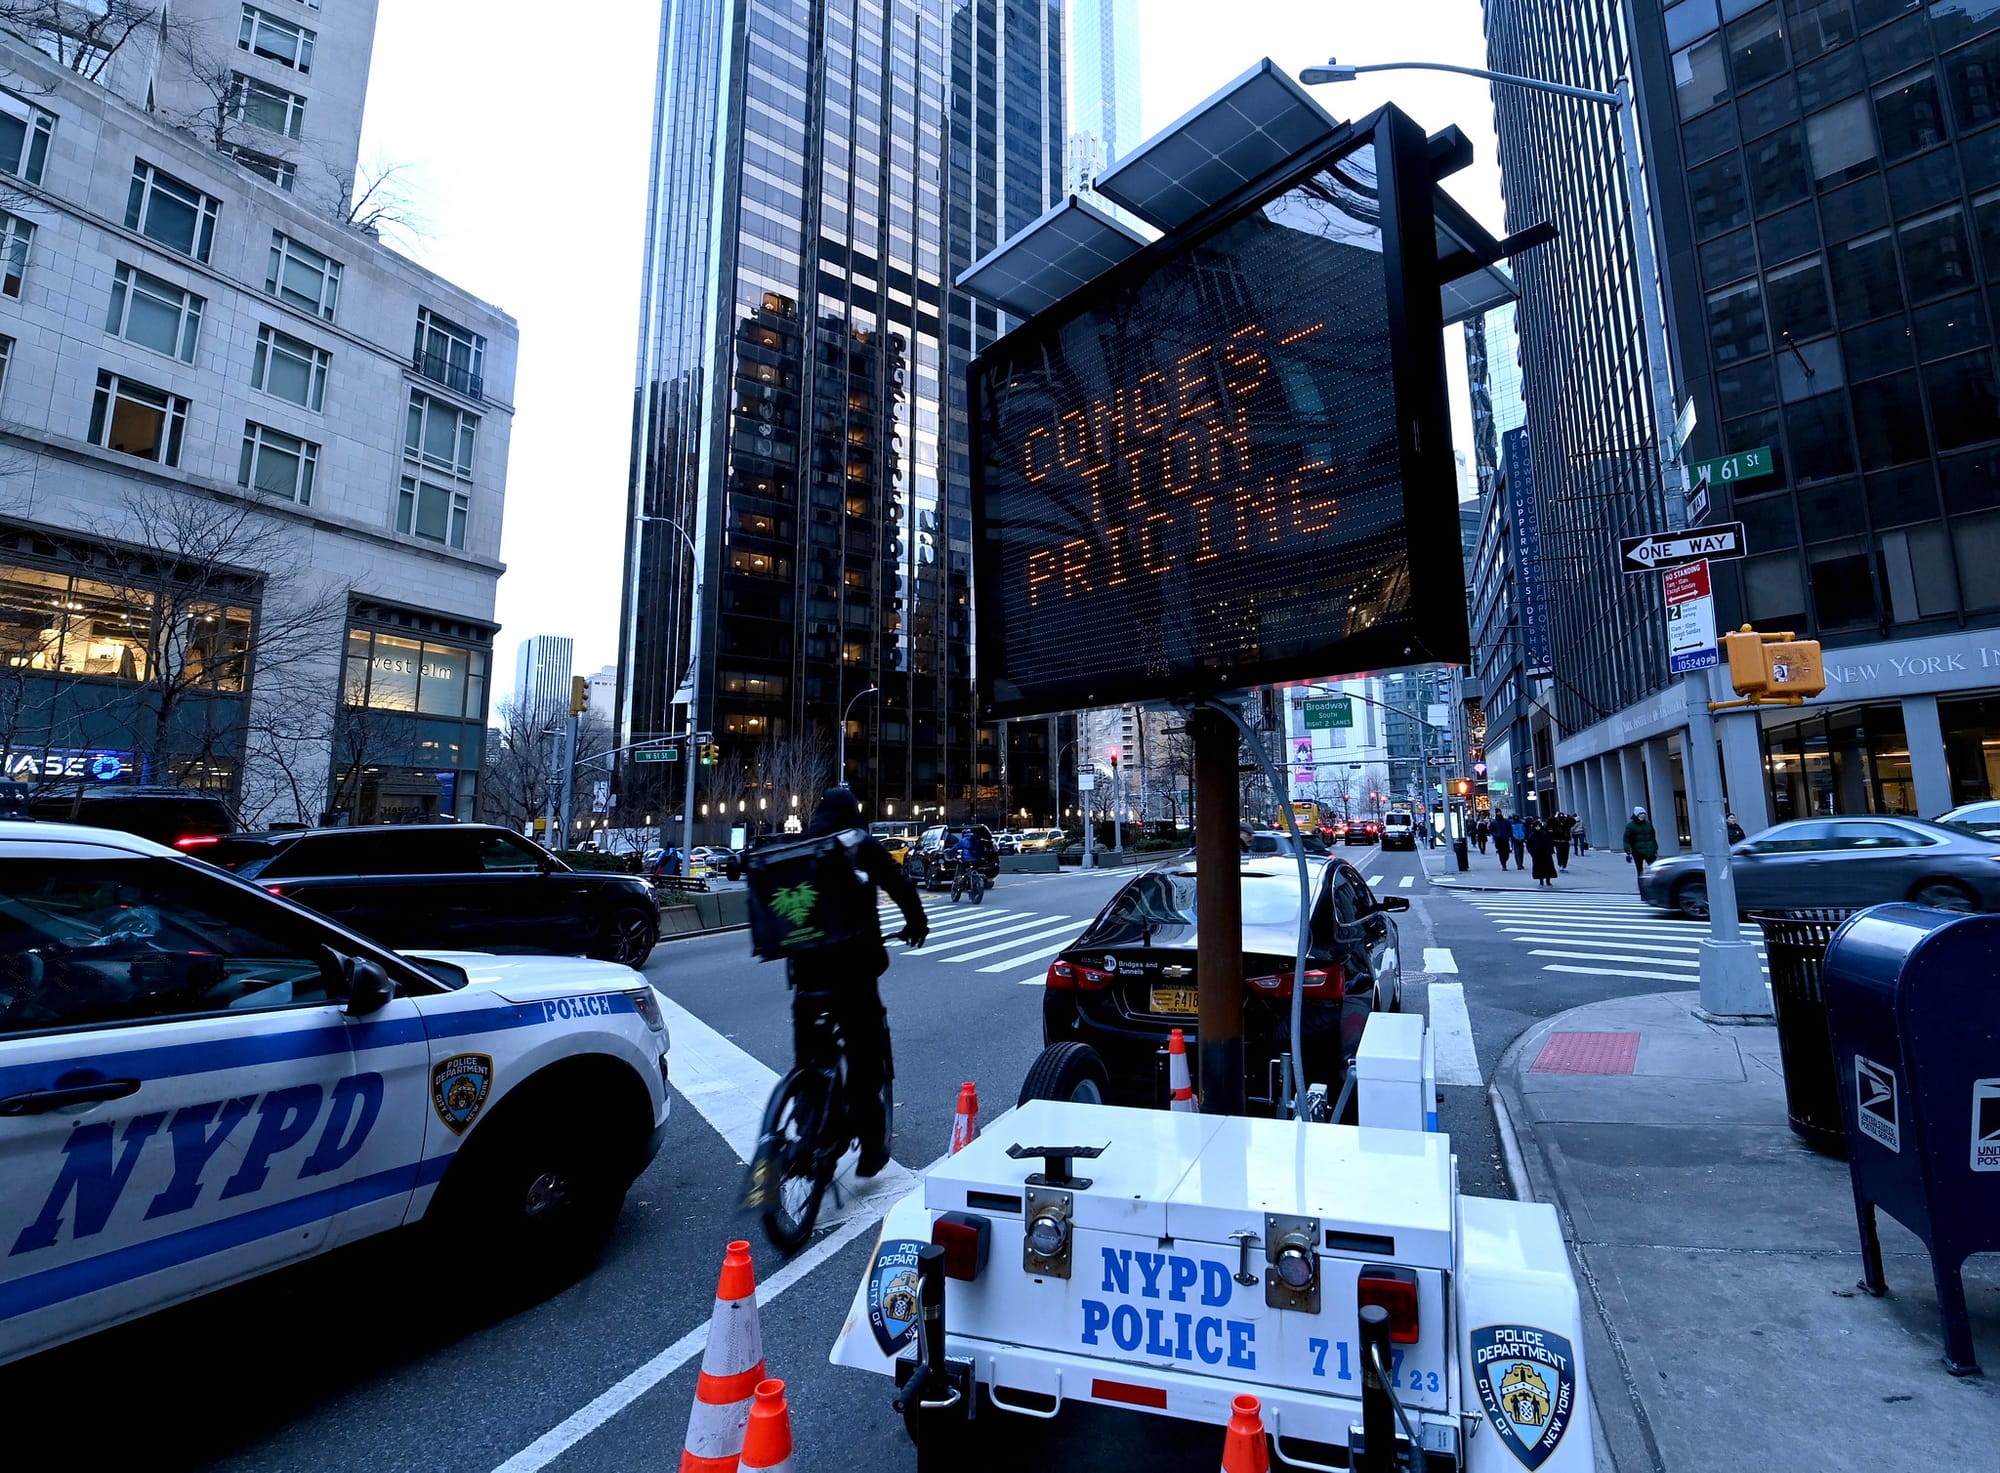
(1068, 1071)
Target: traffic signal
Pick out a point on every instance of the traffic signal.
(1461, 788)
(1112, 753)
(1774, 668)
(579, 695)
(708, 753)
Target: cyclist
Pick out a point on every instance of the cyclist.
(847, 974)
(967, 852)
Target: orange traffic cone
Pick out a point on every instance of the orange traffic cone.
(1244, 1449)
(965, 1124)
(767, 1444)
(1177, 1072)
(732, 1365)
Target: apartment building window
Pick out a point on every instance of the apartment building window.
(24, 137)
(280, 172)
(289, 369)
(300, 275)
(431, 512)
(15, 236)
(263, 106)
(277, 464)
(137, 419)
(449, 354)
(440, 434)
(6, 355)
(154, 314)
(176, 215)
(264, 34)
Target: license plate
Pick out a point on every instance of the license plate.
(1179, 1000)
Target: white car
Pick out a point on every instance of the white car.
(201, 1082)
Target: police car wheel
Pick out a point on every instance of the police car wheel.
(539, 1192)
(628, 938)
(1068, 1071)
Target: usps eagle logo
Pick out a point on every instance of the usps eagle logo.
(1527, 1385)
(892, 1293)
(459, 1087)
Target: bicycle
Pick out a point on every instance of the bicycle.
(807, 1128)
(968, 877)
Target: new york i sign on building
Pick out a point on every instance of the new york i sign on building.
(1690, 618)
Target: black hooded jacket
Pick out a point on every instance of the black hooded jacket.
(839, 813)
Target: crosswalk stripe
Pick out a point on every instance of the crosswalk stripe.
(1602, 937)
(978, 916)
(1607, 956)
(1563, 938)
(1451, 1034)
(1439, 961)
(1034, 979)
(1008, 963)
(1406, 882)
(1585, 928)
(1616, 972)
(971, 936)
(1374, 880)
(1068, 929)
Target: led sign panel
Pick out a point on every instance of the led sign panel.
(1196, 480)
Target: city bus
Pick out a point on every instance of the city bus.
(1307, 817)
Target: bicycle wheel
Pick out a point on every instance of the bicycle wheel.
(957, 887)
(791, 1170)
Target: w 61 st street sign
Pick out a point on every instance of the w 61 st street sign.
(1670, 550)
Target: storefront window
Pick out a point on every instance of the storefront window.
(1971, 749)
(1844, 762)
(393, 673)
(388, 672)
(58, 623)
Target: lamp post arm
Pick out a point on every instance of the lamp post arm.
(1561, 89)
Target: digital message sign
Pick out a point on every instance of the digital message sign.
(1198, 480)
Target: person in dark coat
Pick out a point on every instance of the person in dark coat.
(847, 974)
(1560, 830)
(1542, 849)
(1641, 843)
(1479, 834)
(1502, 830)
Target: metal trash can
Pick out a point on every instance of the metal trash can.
(1795, 943)
(1458, 853)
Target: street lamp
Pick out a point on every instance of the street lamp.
(1732, 981)
(694, 658)
(841, 760)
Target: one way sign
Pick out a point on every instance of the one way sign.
(1650, 554)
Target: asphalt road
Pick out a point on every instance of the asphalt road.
(355, 1361)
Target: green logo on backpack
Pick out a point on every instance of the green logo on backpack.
(795, 906)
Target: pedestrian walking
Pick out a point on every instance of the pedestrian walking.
(1542, 849)
(1503, 835)
(1735, 828)
(1577, 834)
(1561, 829)
(1479, 834)
(1641, 843)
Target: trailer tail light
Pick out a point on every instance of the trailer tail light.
(966, 1237)
(1394, 1290)
(195, 841)
(1318, 983)
(1076, 977)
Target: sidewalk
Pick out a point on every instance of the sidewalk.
(1718, 1259)
(1600, 871)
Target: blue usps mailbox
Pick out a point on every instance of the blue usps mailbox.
(1913, 1003)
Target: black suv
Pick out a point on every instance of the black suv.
(183, 818)
(462, 886)
(1117, 991)
(930, 864)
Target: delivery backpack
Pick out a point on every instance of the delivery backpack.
(805, 895)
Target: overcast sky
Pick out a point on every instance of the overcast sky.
(526, 146)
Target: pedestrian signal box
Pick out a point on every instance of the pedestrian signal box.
(1774, 668)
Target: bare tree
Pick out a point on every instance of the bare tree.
(292, 724)
(522, 777)
(221, 117)
(81, 37)
(217, 596)
(378, 200)
(793, 771)
(720, 788)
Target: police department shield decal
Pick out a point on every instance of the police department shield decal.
(459, 1086)
(892, 1293)
(1527, 1384)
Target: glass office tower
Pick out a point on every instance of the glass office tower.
(1104, 79)
(800, 474)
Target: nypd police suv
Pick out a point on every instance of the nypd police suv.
(200, 1082)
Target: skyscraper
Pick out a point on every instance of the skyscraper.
(542, 668)
(1103, 86)
(800, 498)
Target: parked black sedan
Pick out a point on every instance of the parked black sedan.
(1117, 992)
(465, 886)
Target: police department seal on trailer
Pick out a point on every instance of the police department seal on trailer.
(1527, 1384)
(892, 1294)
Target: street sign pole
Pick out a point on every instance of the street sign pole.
(1218, 900)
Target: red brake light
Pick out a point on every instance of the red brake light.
(966, 1238)
(1318, 982)
(1395, 1290)
(194, 840)
(1076, 977)
(275, 889)
(1062, 977)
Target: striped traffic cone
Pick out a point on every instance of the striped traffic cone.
(767, 1444)
(1177, 1072)
(732, 1365)
(965, 1124)
(1244, 1449)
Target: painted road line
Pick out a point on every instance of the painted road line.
(1067, 929)
(1451, 1033)
(1008, 963)
(1607, 956)
(567, 1433)
(974, 937)
(1616, 972)
(726, 1085)
(1611, 943)
(1038, 979)
(1439, 962)
(945, 915)
(969, 925)
(1374, 880)
(1406, 882)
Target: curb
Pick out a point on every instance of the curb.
(1621, 1421)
